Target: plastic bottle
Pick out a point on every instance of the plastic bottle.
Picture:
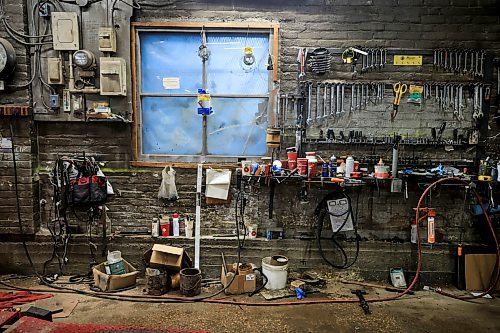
(175, 221)
(349, 166)
(431, 235)
(413, 234)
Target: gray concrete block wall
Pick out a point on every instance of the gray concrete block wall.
(25, 149)
(374, 260)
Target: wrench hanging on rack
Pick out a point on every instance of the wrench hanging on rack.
(309, 96)
(325, 96)
(318, 101)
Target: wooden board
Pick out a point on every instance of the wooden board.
(478, 271)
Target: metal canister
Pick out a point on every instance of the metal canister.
(324, 170)
(155, 227)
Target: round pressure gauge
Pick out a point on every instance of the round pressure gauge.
(7, 59)
(84, 59)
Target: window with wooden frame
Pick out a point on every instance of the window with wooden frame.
(171, 61)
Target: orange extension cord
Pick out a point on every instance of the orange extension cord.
(146, 298)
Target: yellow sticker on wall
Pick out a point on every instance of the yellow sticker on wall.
(407, 60)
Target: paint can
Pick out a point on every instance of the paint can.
(252, 231)
(381, 171)
(312, 166)
(302, 166)
(190, 282)
(292, 159)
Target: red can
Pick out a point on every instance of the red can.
(165, 229)
(292, 159)
(302, 166)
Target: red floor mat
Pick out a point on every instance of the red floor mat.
(9, 300)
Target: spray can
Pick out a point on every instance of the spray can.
(349, 166)
(431, 234)
(155, 228)
(175, 221)
(413, 233)
(333, 166)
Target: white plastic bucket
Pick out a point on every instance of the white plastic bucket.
(276, 275)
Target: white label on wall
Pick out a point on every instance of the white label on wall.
(250, 277)
(5, 143)
(171, 83)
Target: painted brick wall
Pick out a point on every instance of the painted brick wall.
(391, 24)
(17, 94)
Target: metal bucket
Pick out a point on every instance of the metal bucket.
(190, 282)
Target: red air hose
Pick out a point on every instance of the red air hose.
(148, 298)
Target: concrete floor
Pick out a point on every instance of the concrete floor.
(422, 312)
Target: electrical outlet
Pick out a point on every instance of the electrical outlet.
(54, 101)
(44, 9)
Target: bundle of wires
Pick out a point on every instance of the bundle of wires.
(322, 212)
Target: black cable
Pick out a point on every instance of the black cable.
(264, 277)
(48, 283)
(321, 211)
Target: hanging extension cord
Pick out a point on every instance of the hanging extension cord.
(321, 212)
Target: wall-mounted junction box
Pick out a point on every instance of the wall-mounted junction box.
(113, 76)
(66, 36)
(55, 71)
(107, 39)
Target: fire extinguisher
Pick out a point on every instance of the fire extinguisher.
(431, 231)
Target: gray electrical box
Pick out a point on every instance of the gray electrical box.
(66, 35)
(107, 39)
(55, 71)
(113, 76)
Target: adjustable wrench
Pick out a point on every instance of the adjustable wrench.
(325, 96)
(359, 96)
(352, 98)
(342, 100)
(338, 107)
(318, 101)
(460, 102)
(309, 96)
(481, 65)
(464, 70)
(332, 93)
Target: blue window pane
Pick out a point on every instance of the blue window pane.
(171, 126)
(170, 55)
(237, 127)
(226, 72)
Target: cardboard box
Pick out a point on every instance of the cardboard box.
(166, 256)
(478, 271)
(243, 283)
(107, 282)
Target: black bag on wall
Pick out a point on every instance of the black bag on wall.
(87, 191)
